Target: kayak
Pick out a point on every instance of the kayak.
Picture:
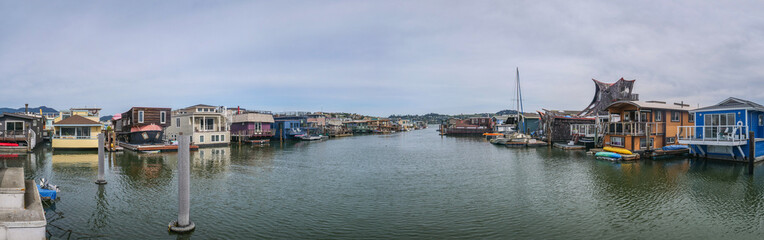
(617, 150)
(674, 147)
(9, 144)
(608, 155)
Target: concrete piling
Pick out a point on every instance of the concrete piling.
(183, 223)
(101, 162)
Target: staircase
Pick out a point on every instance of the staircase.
(21, 212)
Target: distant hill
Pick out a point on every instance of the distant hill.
(105, 118)
(34, 110)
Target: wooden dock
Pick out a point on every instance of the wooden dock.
(668, 153)
(258, 141)
(162, 148)
(569, 147)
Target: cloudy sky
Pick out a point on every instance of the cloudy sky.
(374, 57)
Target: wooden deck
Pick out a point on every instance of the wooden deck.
(663, 153)
(163, 148)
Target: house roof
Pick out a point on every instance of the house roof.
(253, 117)
(733, 103)
(24, 116)
(652, 105)
(77, 120)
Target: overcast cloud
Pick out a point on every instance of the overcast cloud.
(374, 57)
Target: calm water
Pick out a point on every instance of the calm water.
(405, 185)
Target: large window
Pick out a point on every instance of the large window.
(140, 116)
(659, 116)
(201, 138)
(14, 126)
(691, 117)
(177, 122)
(162, 117)
(675, 115)
(74, 132)
(210, 124)
(616, 141)
(719, 125)
(643, 143)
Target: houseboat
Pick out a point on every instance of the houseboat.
(142, 125)
(470, 126)
(205, 124)
(20, 132)
(251, 126)
(357, 126)
(645, 126)
(289, 127)
(77, 128)
(722, 131)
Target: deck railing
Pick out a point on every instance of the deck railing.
(254, 133)
(13, 133)
(724, 133)
(634, 128)
(74, 137)
(585, 130)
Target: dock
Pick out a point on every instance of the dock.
(161, 147)
(668, 153)
(624, 157)
(569, 147)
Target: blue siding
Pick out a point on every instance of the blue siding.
(700, 118)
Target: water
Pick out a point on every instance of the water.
(405, 185)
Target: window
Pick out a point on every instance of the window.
(162, 117)
(719, 125)
(214, 138)
(626, 116)
(691, 117)
(659, 116)
(140, 116)
(643, 143)
(210, 123)
(177, 122)
(761, 119)
(14, 126)
(616, 141)
(675, 116)
(198, 109)
(670, 140)
(222, 138)
(201, 138)
(643, 116)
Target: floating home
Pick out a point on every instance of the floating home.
(470, 126)
(644, 126)
(556, 124)
(20, 132)
(722, 131)
(249, 126)
(77, 128)
(142, 125)
(289, 127)
(205, 124)
(357, 126)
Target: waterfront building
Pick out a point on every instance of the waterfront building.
(470, 126)
(289, 127)
(204, 124)
(21, 131)
(357, 126)
(643, 126)
(722, 131)
(77, 128)
(142, 125)
(556, 125)
(251, 125)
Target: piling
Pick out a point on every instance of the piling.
(101, 164)
(183, 223)
(751, 151)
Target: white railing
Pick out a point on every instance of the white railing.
(74, 137)
(723, 133)
(634, 128)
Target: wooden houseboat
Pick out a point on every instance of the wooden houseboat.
(357, 126)
(205, 124)
(722, 131)
(20, 132)
(251, 126)
(381, 125)
(556, 125)
(645, 126)
(77, 128)
(142, 125)
(470, 126)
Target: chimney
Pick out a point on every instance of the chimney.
(26, 107)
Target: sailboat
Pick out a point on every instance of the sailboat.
(517, 138)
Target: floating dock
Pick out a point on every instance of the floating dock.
(569, 147)
(162, 148)
(668, 153)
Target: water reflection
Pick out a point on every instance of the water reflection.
(142, 170)
(209, 162)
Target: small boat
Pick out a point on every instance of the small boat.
(618, 150)
(310, 138)
(47, 190)
(150, 151)
(674, 147)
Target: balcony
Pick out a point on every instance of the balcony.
(724, 135)
(634, 128)
(584, 130)
(252, 133)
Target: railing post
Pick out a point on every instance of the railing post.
(751, 151)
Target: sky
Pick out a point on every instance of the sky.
(375, 57)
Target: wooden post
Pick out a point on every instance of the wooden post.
(751, 151)
(100, 160)
(183, 223)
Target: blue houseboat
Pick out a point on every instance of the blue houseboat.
(288, 127)
(721, 130)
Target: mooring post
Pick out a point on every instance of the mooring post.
(751, 151)
(183, 223)
(101, 164)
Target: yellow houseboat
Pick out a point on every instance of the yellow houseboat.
(77, 128)
(639, 126)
